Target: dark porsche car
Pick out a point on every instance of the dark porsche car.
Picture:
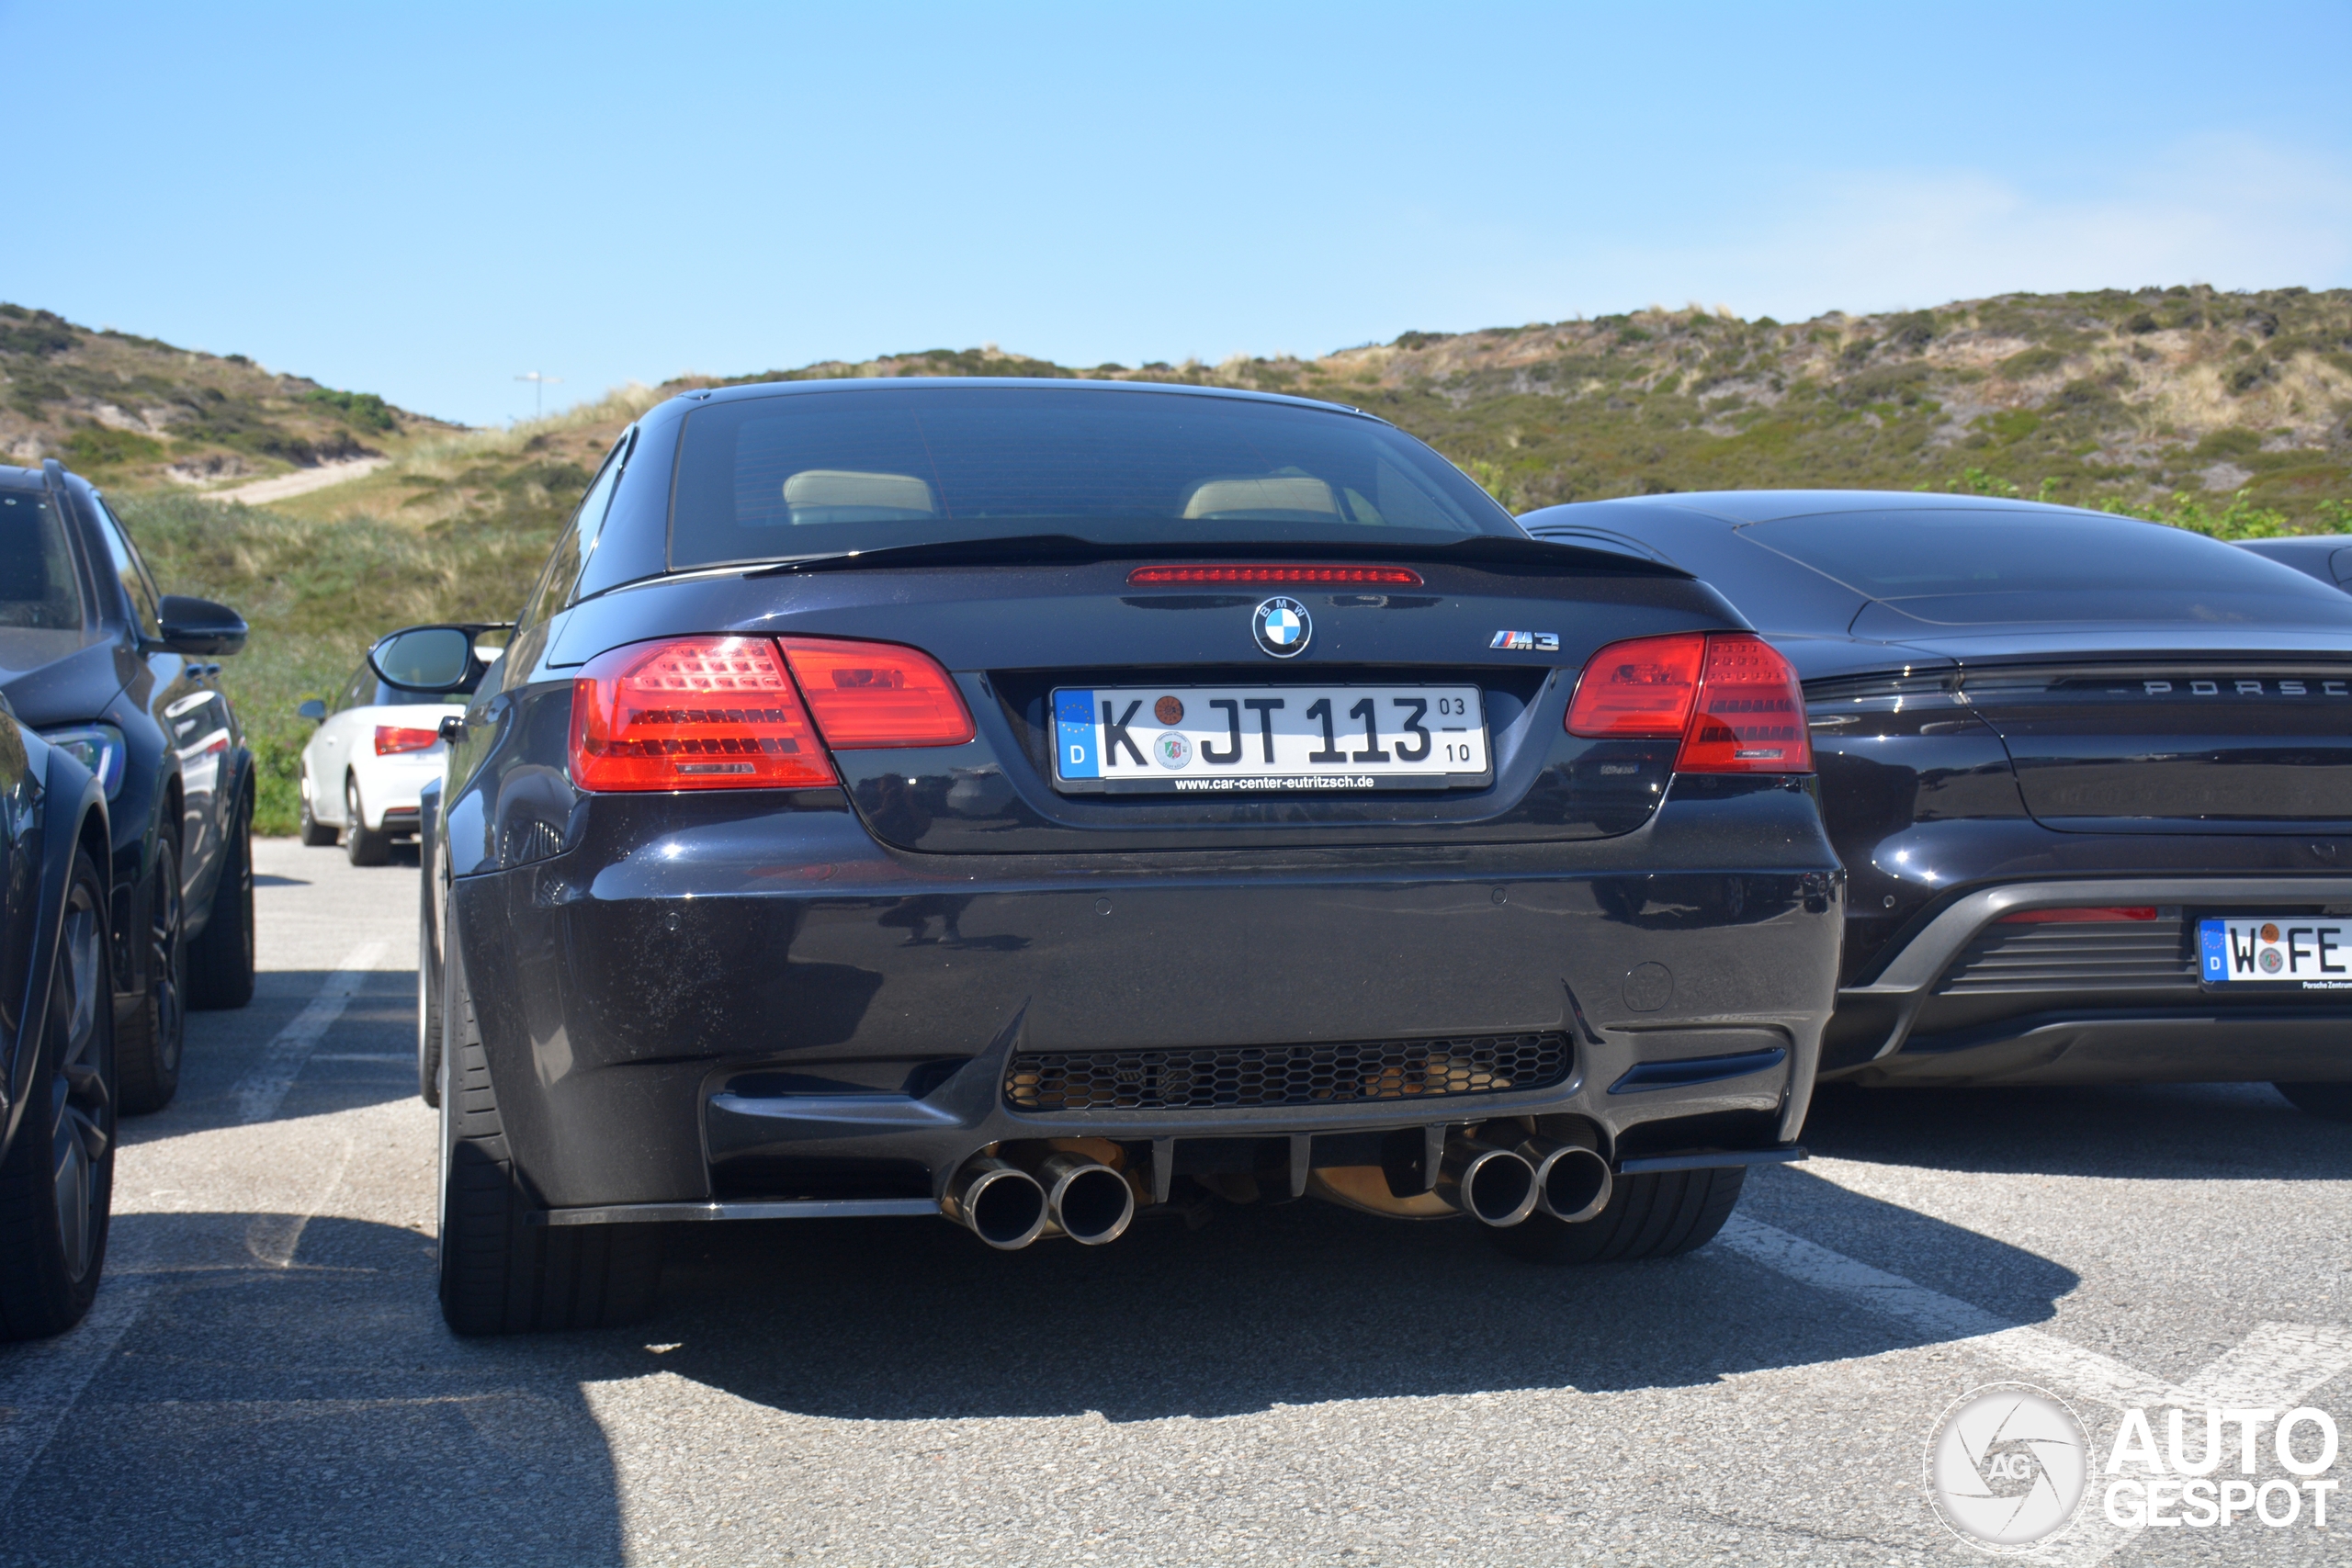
(1031, 804)
(58, 1085)
(99, 661)
(2091, 779)
(2327, 557)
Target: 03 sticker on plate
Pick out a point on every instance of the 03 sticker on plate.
(1273, 739)
(2304, 952)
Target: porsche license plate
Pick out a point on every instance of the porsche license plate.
(1268, 739)
(2296, 952)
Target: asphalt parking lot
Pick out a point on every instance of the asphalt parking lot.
(266, 1379)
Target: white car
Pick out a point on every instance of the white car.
(377, 748)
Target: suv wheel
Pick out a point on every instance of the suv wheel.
(221, 961)
(147, 1056)
(57, 1184)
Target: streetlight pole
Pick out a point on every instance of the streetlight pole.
(539, 391)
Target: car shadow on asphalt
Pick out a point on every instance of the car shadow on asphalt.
(2148, 1132)
(367, 1057)
(1293, 1304)
(287, 1393)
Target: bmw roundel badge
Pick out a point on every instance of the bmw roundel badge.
(1283, 628)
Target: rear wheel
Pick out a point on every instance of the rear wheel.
(362, 845)
(57, 1183)
(221, 961)
(428, 992)
(2332, 1102)
(500, 1273)
(1651, 1214)
(147, 1054)
(315, 833)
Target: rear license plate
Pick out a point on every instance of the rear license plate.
(1270, 740)
(2293, 952)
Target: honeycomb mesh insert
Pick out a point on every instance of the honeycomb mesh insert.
(1285, 1075)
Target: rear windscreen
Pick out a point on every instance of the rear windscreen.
(1959, 551)
(816, 473)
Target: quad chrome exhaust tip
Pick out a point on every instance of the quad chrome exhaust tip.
(998, 1202)
(1571, 1181)
(1494, 1186)
(1085, 1200)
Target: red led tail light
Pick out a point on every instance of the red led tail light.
(698, 713)
(1730, 696)
(1262, 575)
(392, 739)
(1750, 713)
(1644, 687)
(876, 694)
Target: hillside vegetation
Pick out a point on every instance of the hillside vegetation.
(2230, 412)
(131, 410)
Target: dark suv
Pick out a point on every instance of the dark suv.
(102, 664)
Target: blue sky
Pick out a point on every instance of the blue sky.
(424, 200)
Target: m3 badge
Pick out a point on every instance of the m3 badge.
(1527, 642)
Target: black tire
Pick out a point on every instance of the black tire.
(315, 833)
(500, 1273)
(2329, 1101)
(1653, 1214)
(362, 846)
(428, 991)
(53, 1233)
(220, 960)
(147, 1048)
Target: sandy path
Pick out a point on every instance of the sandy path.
(301, 481)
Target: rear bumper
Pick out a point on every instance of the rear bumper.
(751, 1001)
(2129, 1016)
(389, 787)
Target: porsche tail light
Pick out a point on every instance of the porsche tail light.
(698, 713)
(392, 739)
(868, 695)
(2080, 916)
(1730, 696)
(1256, 574)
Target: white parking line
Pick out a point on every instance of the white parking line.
(45, 1380)
(2274, 1367)
(265, 1088)
(2085, 1375)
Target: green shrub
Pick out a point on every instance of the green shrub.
(96, 447)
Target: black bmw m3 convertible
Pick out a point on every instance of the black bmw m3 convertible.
(1035, 805)
(2091, 777)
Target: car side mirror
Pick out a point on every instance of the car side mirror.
(199, 627)
(425, 658)
(314, 710)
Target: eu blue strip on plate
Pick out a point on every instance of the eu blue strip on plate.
(2215, 942)
(1074, 736)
